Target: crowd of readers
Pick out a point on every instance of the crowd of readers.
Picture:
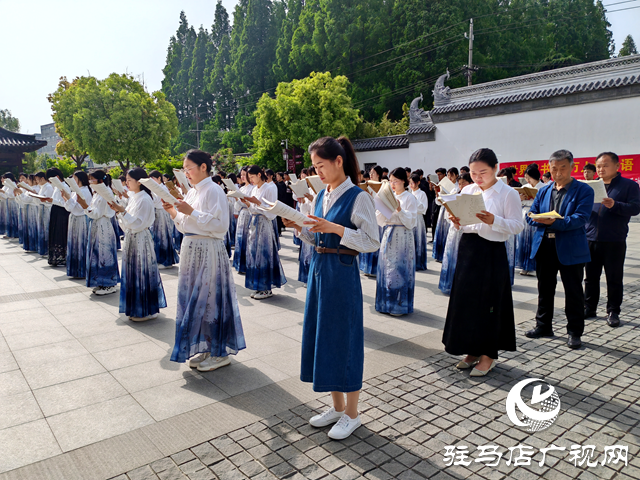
(346, 233)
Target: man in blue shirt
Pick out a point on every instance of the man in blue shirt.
(560, 245)
(607, 234)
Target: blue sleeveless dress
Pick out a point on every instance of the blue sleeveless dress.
(333, 333)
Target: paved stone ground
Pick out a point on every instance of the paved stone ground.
(412, 413)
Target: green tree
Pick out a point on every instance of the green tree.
(66, 148)
(301, 112)
(165, 164)
(66, 165)
(8, 122)
(34, 162)
(282, 70)
(628, 47)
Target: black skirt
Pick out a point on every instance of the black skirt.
(480, 317)
(58, 228)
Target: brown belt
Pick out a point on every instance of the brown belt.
(341, 251)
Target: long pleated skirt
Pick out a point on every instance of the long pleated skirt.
(30, 228)
(3, 216)
(277, 232)
(141, 291)
(77, 238)
(117, 231)
(449, 260)
(21, 222)
(240, 248)
(264, 270)
(162, 233)
(232, 226)
(440, 240)
(58, 228)
(44, 215)
(304, 260)
(177, 239)
(12, 217)
(420, 239)
(102, 254)
(368, 262)
(523, 245)
(395, 282)
(480, 318)
(207, 318)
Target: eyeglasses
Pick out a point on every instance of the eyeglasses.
(185, 170)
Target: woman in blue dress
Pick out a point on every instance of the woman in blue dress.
(162, 228)
(369, 261)
(420, 230)
(102, 253)
(525, 238)
(342, 226)
(264, 270)
(442, 227)
(451, 249)
(44, 213)
(208, 325)
(78, 231)
(29, 214)
(243, 213)
(141, 292)
(395, 282)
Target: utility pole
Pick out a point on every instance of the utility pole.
(469, 67)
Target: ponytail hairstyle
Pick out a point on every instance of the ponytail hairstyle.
(82, 177)
(401, 174)
(256, 170)
(199, 157)
(10, 176)
(55, 172)
(484, 155)
(138, 173)
(156, 174)
(329, 148)
(102, 177)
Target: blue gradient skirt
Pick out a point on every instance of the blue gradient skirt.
(440, 240)
(162, 232)
(44, 218)
(240, 247)
(395, 283)
(523, 245)
(264, 270)
(232, 225)
(117, 230)
(141, 291)
(420, 239)
(449, 260)
(275, 229)
(304, 260)
(30, 228)
(177, 238)
(77, 238)
(12, 218)
(102, 254)
(3, 216)
(207, 317)
(368, 262)
(22, 217)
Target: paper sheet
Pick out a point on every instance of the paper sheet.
(387, 196)
(599, 190)
(433, 178)
(382, 207)
(182, 179)
(465, 207)
(300, 188)
(230, 185)
(552, 214)
(235, 194)
(26, 187)
(9, 183)
(55, 181)
(35, 195)
(293, 177)
(280, 209)
(531, 192)
(446, 185)
(74, 186)
(315, 183)
(156, 188)
(104, 191)
(117, 185)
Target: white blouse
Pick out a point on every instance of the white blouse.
(57, 198)
(46, 190)
(140, 213)
(504, 202)
(423, 203)
(239, 206)
(9, 191)
(72, 205)
(99, 208)
(210, 216)
(269, 192)
(408, 214)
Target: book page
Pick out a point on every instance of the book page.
(446, 185)
(382, 207)
(375, 186)
(433, 178)
(300, 188)
(280, 209)
(552, 214)
(293, 177)
(156, 188)
(387, 196)
(9, 183)
(182, 179)
(236, 194)
(26, 187)
(315, 183)
(599, 190)
(465, 207)
(173, 190)
(530, 192)
(117, 185)
(74, 186)
(104, 191)
(229, 183)
(55, 181)
(35, 195)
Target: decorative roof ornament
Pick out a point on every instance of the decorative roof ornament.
(441, 95)
(417, 115)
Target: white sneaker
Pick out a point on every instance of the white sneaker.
(326, 418)
(95, 289)
(213, 363)
(106, 290)
(143, 319)
(253, 295)
(263, 295)
(345, 427)
(198, 359)
(304, 285)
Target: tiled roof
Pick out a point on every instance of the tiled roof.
(11, 141)
(426, 128)
(381, 143)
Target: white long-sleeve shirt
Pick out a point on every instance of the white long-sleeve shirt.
(239, 206)
(46, 190)
(504, 202)
(408, 214)
(99, 208)
(269, 192)
(366, 236)
(210, 216)
(140, 213)
(72, 205)
(423, 202)
(57, 197)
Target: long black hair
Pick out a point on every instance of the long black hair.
(10, 176)
(83, 177)
(137, 174)
(101, 176)
(401, 174)
(329, 148)
(484, 155)
(378, 170)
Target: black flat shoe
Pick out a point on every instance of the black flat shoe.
(613, 319)
(588, 313)
(574, 342)
(538, 333)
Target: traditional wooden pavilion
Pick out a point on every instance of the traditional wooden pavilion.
(13, 146)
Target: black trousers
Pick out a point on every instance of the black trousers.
(547, 268)
(609, 255)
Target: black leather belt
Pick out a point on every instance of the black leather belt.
(341, 251)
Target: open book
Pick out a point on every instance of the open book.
(300, 188)
(464, 206)
(446, 185)
(104, 191)
(173, 190)
(156, 188)
(26, 187)
(530, 192)
(433, 178)
(363, 186)
(230, 185)
(74, 186)
(9, 183)
(315, 183)
(386, 202)
(285, 211)
(116, 183)
(552, 214)
(373, 185)
(55, 181)
(182, 179)
(235, 194)
(599, 190)
(293, 177)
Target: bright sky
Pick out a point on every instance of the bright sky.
(44, 40)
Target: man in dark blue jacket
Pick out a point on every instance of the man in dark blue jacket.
(607, 234)
(561, 245)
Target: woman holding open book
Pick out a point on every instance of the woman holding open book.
(12, 211)
(78, 231)
(102, 254)
(396, 276)
(342, 225)
(525, 238)
(141, 292)
(59, 221)
(162, 228)
(480, 318)
(442, 226)
(264, 270)
(208, 325)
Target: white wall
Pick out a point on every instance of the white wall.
(585, 130)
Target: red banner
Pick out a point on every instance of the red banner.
(629, 166)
